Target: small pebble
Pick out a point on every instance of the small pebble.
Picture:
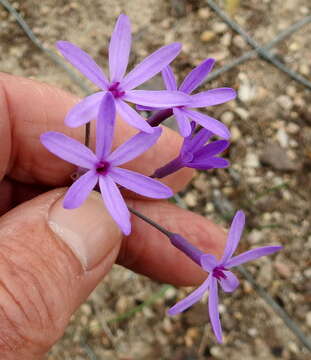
(204, 13)
(255, 236)
(190, 199)
(285, 102)
(227, 117)
(207, 36)
(308, 319)
(292, 128)
(252, 160)
(220, 27)
(235, 134)
(282, 138)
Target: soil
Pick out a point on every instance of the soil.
(270, 176)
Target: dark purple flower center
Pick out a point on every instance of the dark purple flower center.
(115, 90)
(102, 167)
(218, 272)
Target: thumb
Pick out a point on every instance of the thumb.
(50, 260)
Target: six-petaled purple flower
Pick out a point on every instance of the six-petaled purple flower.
(103, 168)
(196, 154)
(120, 86)
(199, 100)
(218, 270)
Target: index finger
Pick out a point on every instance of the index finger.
(29, 108)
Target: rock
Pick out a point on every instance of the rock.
(204, 13)
(220, 27)
(227, 117)
(207, 36)
(252, 160)
(239, 42)
(283, 269)
(292, 128)
(255, 236)
(304, 69)
(308, 319)
(243, 113)
(191, 199)
(275, 156)
(235, 134)
(285, 102)
(247, 92)
(282, 137)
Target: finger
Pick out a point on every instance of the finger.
(50, 260)
(149, 252)
(29, 108)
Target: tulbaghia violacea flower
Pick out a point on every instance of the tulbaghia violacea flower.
(218, 270)
(196, 154)
(103, 166)
(120, 86)
(199, 100)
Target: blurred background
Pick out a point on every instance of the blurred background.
(270, 176)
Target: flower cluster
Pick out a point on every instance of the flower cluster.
(102, 169)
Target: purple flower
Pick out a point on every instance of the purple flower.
(202, 99)
(196, 154)
(218, 270)
(103, 168)
(120, 86)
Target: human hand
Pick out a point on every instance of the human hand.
(52, 258)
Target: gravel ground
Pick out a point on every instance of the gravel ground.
(270, 176)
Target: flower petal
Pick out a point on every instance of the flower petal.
(68, 149)
(85, 111)
(134, 147)
(200, 139)
(230, 283)
(212, 97)
(251, 255)
(169, 78)
(83, 62)
(213, 309)
(208, 262)
(183, 122)
(209, 123)
(140, 184)
(105, 126)
(115, 203)
(194, 297)
(211, 149)
(132, 117)
(210, 163)
(150, 66)
(80, 190)
(119, 48)
(234, 236)
(158, 98)
(197, 76)
(147, 108)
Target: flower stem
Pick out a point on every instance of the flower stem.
(176, 240)
(87, 134)
(158, 117)
(169, 168)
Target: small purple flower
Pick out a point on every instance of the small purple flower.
(196, 154)
(218, 270)
(103, 168)
(199, 100)
(120, 86)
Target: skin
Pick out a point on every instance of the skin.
(31, 181)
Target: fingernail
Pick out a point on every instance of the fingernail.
(89, 231)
